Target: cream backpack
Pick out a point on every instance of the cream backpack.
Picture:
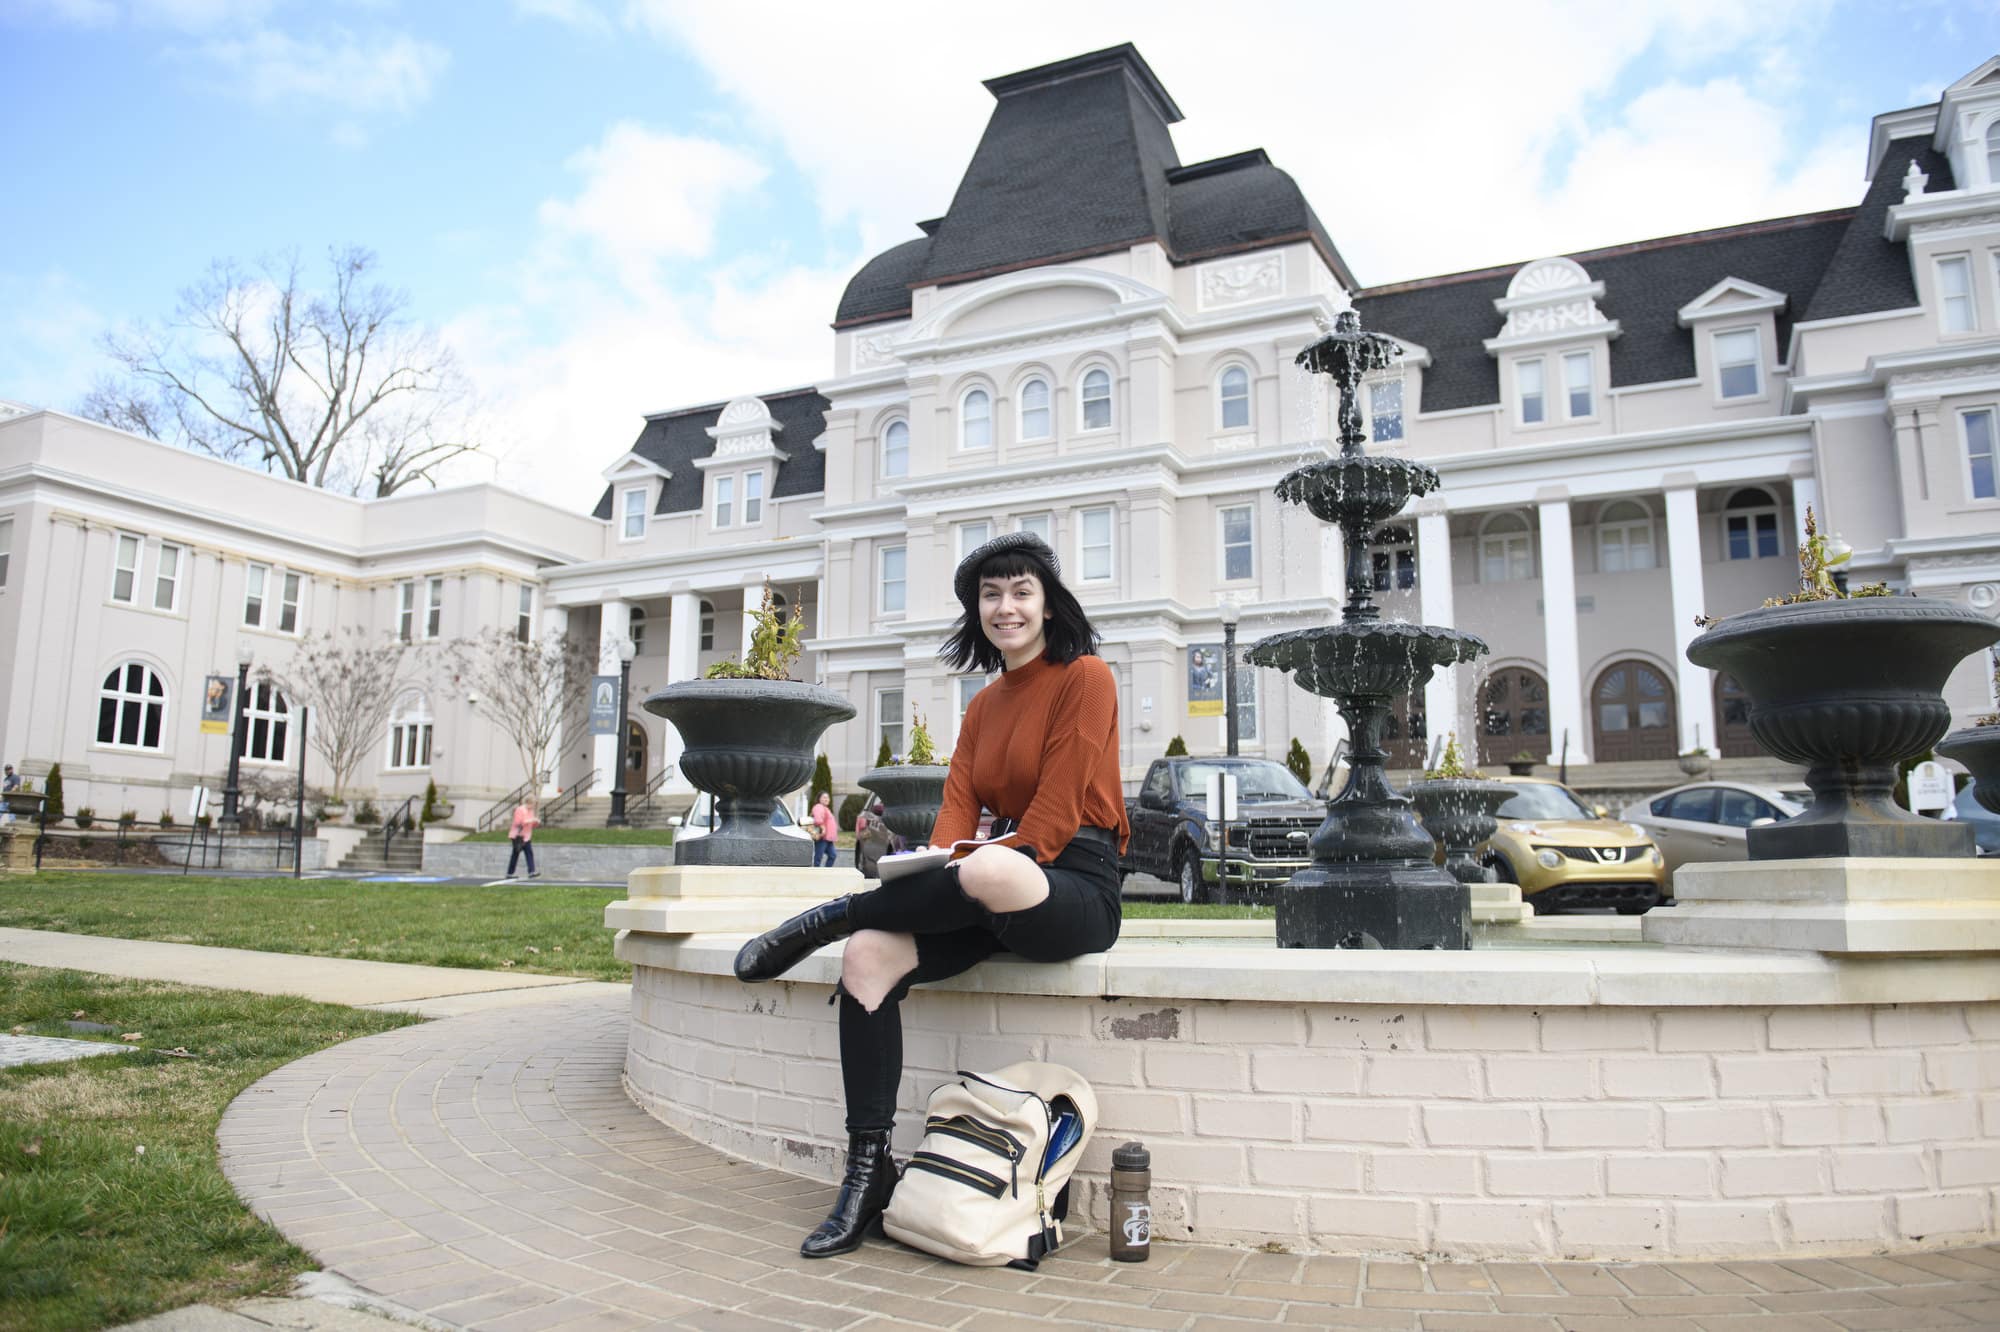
(987, 1184)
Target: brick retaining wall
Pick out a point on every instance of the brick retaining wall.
(1585, 1132)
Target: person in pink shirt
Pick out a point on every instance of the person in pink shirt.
(526, 820)
(828, 828)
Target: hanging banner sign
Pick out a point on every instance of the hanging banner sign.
(603, 705)
(1205, 680)
(218, 705)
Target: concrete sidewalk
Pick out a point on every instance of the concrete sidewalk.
(430, 991)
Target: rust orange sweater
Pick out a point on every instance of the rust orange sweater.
(1040, 745)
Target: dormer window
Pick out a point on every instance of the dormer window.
(725, 501)
(1576, 381)
(1234, 393)
(1385, 411)
(1528, 386)
(975, 420)
(1737, 371)
(753, 497)
(632, 505)
(1095, 401)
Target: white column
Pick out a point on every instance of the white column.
(1805, 494)
(1435, 608)
(1566, 711)
(614, 623)
(1684, 569)
(753, 601)
(555, 621)
(683, 663)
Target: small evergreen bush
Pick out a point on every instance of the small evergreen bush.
(883, 758)
(1300, 763)
(52, 798)
(822, 778)
(1176, 748)
(850, 810)
(85, 816)
(366, 813)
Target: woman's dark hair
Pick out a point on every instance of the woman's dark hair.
(1068, 629)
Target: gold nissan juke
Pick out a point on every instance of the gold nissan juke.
(1565, 854)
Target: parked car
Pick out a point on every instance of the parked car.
(1565, 854)
(700, 821)
(1707, 820)
(1172, 839)
(1985, 826)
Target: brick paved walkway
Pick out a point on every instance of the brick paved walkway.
(488, 1171)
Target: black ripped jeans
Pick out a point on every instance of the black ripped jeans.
(954, 933)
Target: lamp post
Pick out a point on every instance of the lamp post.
(1229, 671)
(1838, 552)
(232, 791)
(627, 650)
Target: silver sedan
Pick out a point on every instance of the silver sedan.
(1707, 820)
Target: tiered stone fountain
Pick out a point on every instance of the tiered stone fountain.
(1372, 883)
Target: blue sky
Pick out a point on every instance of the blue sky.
(615, 206)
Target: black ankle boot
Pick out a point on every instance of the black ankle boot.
(864, 1192)
(775, 952)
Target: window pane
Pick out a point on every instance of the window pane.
(892, 577)
(1611, 550)
(1576, 377)
(1736, 358)
(1955, 295)
(1767, 534)
(253, 595)
(971, 536)
(1528, 376)
(1096, 524)
(1039, 524)
(896, 449)
(1096, 400)
(976, 420)
(1979, 453)
(1235, 399)
(753, 497)
(1385, 410)
(1739, 538)
(1639, 546)
(725, 500)
(288, 608)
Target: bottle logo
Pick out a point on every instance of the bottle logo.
(1138, 1223)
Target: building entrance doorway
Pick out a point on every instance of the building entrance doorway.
(1632, 714)
(1513, 716)
(635, 757)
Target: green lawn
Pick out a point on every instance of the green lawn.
(1183, 911)
(554, 929)
(112, 1204)
(588, 836)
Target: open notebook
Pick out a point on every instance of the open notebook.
(913, 862)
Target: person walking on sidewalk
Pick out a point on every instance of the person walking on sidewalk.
(526, 820)
(828, 829)
(1039, 747)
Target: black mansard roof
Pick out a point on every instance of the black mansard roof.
(675, 439)
(1078, 160)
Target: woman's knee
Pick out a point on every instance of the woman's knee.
(1002, 879)
(873, 961)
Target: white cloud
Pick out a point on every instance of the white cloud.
(48, 340)
(390, 72)
(649, 197)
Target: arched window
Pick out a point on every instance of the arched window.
(1624, 537)
(1513, 715)
(1037, 420)
(1993, 153)
(131, 708)
(1392, 553)
(896, 449)
(707, 627)
(410, 731)
(1506, 549)
(267, 724)
(1233, 391)
(1095, 401)
(1632, 714)
(975, 420)
(635, 629)
(1750, 525)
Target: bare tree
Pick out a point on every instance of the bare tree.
(338, 390)
(350, 680)
(531, 689)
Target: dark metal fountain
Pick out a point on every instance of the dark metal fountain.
(1372, 883)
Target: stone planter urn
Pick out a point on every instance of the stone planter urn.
(747, 742)
(442, 810)
(1696, 763)
(334, 811)
(1978, 748)
(912, 794)
(1520, 767)
(1460, 813)
(24, 804)
(1849, 689)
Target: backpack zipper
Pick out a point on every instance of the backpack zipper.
(990, 1185)
(998, 1141)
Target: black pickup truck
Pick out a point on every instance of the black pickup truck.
(1172, 840)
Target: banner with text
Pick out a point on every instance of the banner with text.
(1205, 680)
(603, 705)
(218, 708)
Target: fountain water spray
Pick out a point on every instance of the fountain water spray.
(1372, 883)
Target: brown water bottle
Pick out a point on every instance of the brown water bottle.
(1131, 1203)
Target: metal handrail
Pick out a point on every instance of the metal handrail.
(644, 799)
(394, 823)
(568, 799)
(503, 809)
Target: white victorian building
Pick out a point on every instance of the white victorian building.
(1095, 342)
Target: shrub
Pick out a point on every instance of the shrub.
(1300, 763)
(883, 758)
(850, 810)
(1176, 748)
(430, 802)
(921, 751)
(204, 821)
(85, 816)
(52, 799)
(776, 640)
(127, 817)
(366, 813)
(822, 777)
(166, 818)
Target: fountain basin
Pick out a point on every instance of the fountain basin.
(1567, 1102)
(1356, 488)
(1372, 657)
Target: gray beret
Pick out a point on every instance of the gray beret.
(966, 581)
